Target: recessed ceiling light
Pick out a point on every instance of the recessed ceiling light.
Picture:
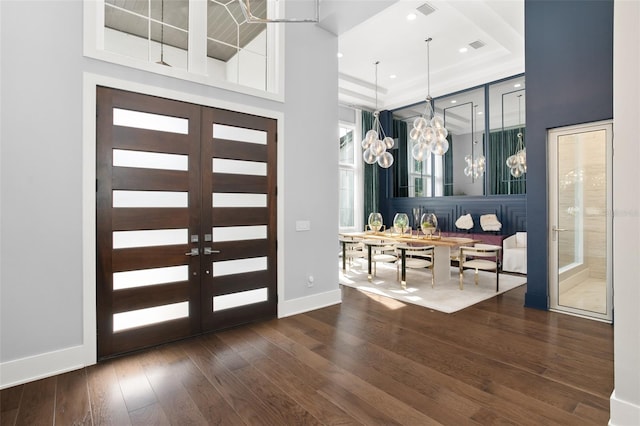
(411, 16)
(479, 112)
(517, 85)
(339, 55)
(453, 101)
(392, 76)
(463, 50)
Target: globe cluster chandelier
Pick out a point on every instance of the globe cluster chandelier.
(375, 142)
(517, 162)
(428, 133)
(475, 166)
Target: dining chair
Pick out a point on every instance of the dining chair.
(352, 248)
(385, 253)
(484, 257)
(415, 257)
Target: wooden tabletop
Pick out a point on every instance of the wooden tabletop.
(431, 240)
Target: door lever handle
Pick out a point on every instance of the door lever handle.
(208, 250)
(193, 252)
(558, 229)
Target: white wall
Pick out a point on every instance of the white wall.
(625, 400)
(41, 171)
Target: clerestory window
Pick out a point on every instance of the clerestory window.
(207, 41)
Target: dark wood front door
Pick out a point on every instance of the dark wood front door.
(186, 220)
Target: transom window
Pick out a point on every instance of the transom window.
(209, 42)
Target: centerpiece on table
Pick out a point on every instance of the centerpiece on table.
(401, 222)
(428, 224)
(375, 222)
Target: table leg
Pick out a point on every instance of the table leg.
(442, 264)
(369, 262)
(403, 271)
(344, 255)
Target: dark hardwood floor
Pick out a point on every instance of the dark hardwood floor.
(367, 361)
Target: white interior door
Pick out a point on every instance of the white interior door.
(580, 222)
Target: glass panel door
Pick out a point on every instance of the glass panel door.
(579, 220)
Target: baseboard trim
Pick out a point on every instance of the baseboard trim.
(309, 303)
(623, 412)
(40, 366)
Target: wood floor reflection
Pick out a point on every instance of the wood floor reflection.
(361, 362)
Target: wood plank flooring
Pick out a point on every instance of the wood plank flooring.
(368, 361)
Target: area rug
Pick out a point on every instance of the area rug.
(447, 298)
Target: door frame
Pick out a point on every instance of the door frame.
(552, 191)
(89, 260)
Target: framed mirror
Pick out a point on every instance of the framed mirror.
(507, 137)
(444, 175)
(463, 164)
(476, 162)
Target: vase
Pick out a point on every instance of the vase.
(375, 221)
(401, 222)
(428, 223)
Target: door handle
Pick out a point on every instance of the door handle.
(555, 230)
(193, 252)
(208, 250)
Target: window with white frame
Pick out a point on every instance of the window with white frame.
(419, 176)
(206, 41)
(350, 180)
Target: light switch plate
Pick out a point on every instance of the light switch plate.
(303, 225)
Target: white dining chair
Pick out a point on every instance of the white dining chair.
(415, 257)
(484, 257)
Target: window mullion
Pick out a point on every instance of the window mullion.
(197, 44)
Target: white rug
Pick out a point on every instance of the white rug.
(447, 298)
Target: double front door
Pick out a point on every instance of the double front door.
(186, 220)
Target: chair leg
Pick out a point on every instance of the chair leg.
(497, 281)
(461, 277)
(433, 278)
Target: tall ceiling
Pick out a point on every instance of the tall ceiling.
(399, 45)
(369, 31)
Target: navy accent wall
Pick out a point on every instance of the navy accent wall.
(511, 211)
(569, 72)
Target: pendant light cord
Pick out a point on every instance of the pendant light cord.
(376, 64)
(162, 32)
(428, 69)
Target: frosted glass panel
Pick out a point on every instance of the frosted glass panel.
(150, 160)
(157, 237)
(239, 266)
(239, 167)
(238, 233)
(242, 298)
(239, 200)
(146, 277)
(148, 316)
(220, 131)
(150, 199)
(145, 120)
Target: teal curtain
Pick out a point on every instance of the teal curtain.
(401, 166)
(448, 168)
(503, 144)
(370, 174)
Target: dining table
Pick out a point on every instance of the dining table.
(442, 249)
